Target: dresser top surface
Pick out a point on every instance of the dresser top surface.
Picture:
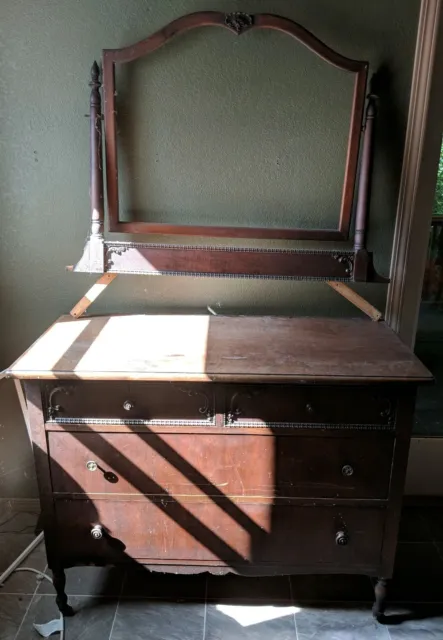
(241, 349)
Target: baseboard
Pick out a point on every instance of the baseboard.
(30, 505)
(425, 468)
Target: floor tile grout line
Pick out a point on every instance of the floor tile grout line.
(110, 596)
(291, 595)
(261, 601)
(206, 607)
(15, 593)
(118, 602)
(29, 606)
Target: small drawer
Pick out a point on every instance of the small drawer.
(221, 465)
(316, 405)
(130, 402)
(330, 538)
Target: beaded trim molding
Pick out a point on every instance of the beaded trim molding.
(199, 274)
(133, 422)
(211, 423)
(120, 247)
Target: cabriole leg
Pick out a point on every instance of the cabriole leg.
(59, 579)
(380, 590)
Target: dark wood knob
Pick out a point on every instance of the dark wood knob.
(341, 538)
(128, 405)
(347, 470)
(97, 532)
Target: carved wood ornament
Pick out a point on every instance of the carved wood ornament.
(101, 256)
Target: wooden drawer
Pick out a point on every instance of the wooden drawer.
(357, 466)
(198, 533)
(153, 402)
(267, 404)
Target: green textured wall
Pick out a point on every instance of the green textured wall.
(47, 51)
(258, 137)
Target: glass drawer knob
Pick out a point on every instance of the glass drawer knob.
(341, 538)
(97, 532)
(91, 465)
(128, 405)
(347, 470)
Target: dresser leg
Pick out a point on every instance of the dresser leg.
(59, 580)
(380, 590)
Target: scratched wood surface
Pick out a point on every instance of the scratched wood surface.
(243, 466)
(153, 347)
(183, 533)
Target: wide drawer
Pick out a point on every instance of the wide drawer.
(197, 533)
(357, 466)
(130, 401)
(310, 404)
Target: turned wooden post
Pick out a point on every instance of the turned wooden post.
(96, 161)
(364, 185)
(93, 258)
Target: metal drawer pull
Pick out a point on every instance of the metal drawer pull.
(97, 532)
(341, 538)
(347, 470)
(91, 465)
(309, 408)
(128, 405)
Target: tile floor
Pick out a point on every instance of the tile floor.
(111, 604)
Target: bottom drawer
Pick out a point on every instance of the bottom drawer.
(220, 534)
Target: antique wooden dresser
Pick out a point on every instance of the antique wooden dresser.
(260, 445)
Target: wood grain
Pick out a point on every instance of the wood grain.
(317, 404)
(193, 403)
(245, 466)
(152, 259)
(92, 294)
(165, 401)
(357, 300)
(192, 533)
(220, 348)
(214, 231)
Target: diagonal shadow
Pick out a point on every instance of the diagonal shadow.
(151, 490)
(49, 521)
(207, 487)
(81, 344)
(169, 454)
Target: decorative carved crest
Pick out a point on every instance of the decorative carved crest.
(239, 21)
